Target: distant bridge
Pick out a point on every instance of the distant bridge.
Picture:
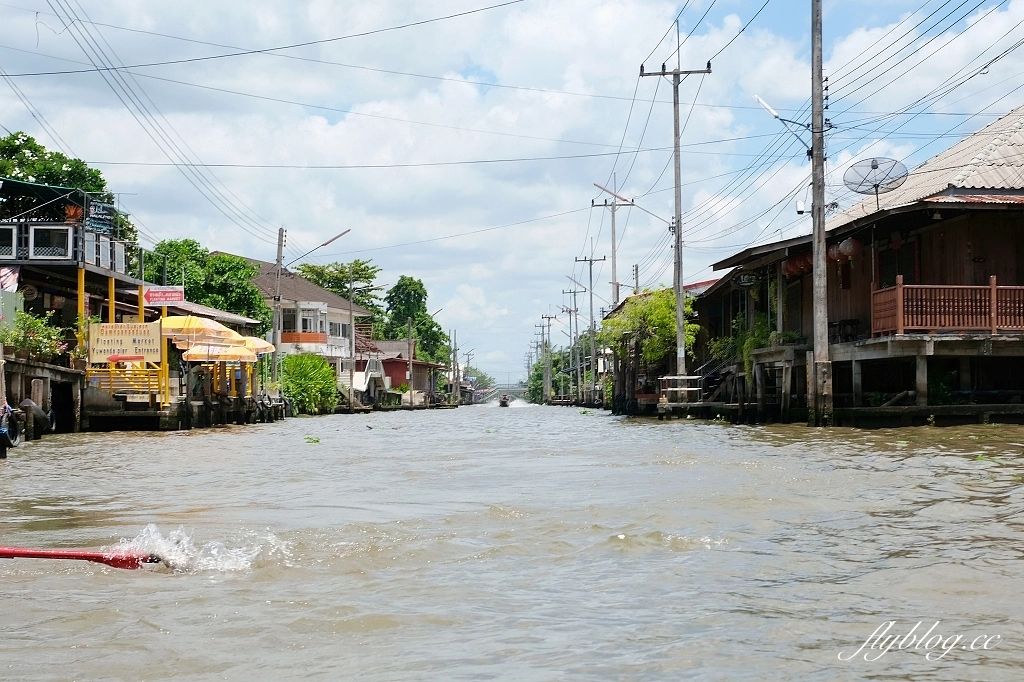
(486, 395)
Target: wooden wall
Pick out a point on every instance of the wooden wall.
(966, 250)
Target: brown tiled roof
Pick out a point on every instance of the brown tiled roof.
(295, 288)
(365, 346)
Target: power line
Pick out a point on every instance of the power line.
(267, 50)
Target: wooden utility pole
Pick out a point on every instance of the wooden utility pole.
(822, 371)
(277, 303)
(677, 274)
(593, 329)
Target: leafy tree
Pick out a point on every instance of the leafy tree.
(220, 280)
(483, 379)
(335, 277)
(561, 383)
(23, 158)
(650, 320)
(408, 298)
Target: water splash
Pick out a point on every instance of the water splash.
(181, 554)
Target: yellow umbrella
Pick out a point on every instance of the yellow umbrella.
(258, 345)
(212, 353)
(190, 325)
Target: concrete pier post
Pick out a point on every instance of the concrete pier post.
(858, 384)
(759, 380)
(921, 381)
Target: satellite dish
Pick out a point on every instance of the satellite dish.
(875, 176)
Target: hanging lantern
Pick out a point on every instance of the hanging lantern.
(833, 253)
(850, 247)
(807, 260)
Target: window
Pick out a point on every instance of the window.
(7, 241)
(336, 329)
(288, 321)
(104, 252)
(346, 331)
(50, 242)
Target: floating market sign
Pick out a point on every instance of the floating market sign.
(124, 342)
(159, 296)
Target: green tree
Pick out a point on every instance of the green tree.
(483, 379)
(408, 298)
(219, 280)
(650, 320)
(23, 158)
(335, 277)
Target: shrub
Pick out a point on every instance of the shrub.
(309, 382)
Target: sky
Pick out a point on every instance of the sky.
(460, 140)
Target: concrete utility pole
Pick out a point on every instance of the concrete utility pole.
(614, 205)
(547, 358)
(278, 322)
(822, 392)
(577, 354)
(593, 329)
(677, 275)
(411, 342)
(352, 342)
(636, 278)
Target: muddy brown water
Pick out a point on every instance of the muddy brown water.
(515, 544)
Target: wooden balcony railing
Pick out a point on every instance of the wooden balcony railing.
(932, 308)
(303, 337)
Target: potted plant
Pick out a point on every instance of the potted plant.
(34, 337)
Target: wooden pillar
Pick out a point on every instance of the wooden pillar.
(787, 387)
(780, 287)
(922, 380)
(858, 384)
(993, 304)
(899, 304)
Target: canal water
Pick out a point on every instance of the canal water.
(530, 543)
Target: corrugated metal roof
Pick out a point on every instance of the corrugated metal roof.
(977, 199)
(992, 158)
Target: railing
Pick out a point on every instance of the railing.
(929, 307)
(303, 337)
(147, 380)
(680, 389)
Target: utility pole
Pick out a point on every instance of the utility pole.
(576, 354)
(277, 303)
(822, 392)
(636, 278)
(411, 342)
(352, 343)
(593, 331)
(677, 275)
(547, 358)
(456, 383)
(616, 202)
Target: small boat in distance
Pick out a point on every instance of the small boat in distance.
(504, 400)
